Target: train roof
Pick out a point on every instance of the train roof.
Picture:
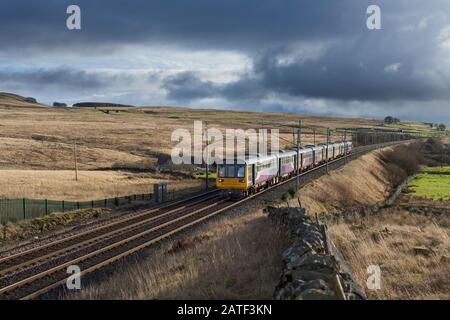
(253, 158)
(287, 153)
(259, 158)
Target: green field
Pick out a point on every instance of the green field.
(433, 186)
(437, 170)
(201, 175)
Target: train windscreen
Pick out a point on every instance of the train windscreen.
(231, 171)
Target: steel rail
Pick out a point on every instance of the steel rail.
(102, 264)
(100, 237)
(120, 220)
(21, 283)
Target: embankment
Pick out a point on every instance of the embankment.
(409, 244)
(365, 181)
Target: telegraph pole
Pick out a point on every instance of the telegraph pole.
(328, 141)
(314, 136)
(207, 157)
(300, 132)
(297, 181)
(345, 146)
(75, 159)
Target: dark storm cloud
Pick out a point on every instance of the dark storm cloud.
(393, 64)
(186, 86)
(58, 77)
(403, 62)
(66, 79)
(339, 74)
(231, 24)
(343, 73)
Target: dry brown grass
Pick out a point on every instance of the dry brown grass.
(405, 275)
(91, 185)
(385, 239)
(42, 138)
(362, 182)
(102, 139)
(142, 132)
(236, 258)
(410, 199)
(31, 154)
(12, 233)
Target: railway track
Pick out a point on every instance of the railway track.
(33, 272)
(25, 258)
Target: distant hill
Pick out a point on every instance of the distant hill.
(101, 105)
(14, 100)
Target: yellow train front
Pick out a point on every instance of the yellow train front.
(232, 178)
(248, 177)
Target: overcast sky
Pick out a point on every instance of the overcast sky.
(315, 57)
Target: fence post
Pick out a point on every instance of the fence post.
(46, 207)
(78, 204)
(63, 205)
(92, 203)
(24, 209)
(106, 203)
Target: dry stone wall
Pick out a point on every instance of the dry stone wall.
(313, 269)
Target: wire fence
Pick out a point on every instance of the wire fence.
(21, 209)
(13, 210)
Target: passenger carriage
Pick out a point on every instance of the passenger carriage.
(258, 172)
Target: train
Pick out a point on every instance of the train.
(261, 171)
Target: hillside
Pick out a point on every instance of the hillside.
(14, 100)
(137, 139)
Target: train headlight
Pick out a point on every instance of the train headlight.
(242, 180)
(220, 180)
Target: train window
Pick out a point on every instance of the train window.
(241, 171)
(222, 171)
(231, 171)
